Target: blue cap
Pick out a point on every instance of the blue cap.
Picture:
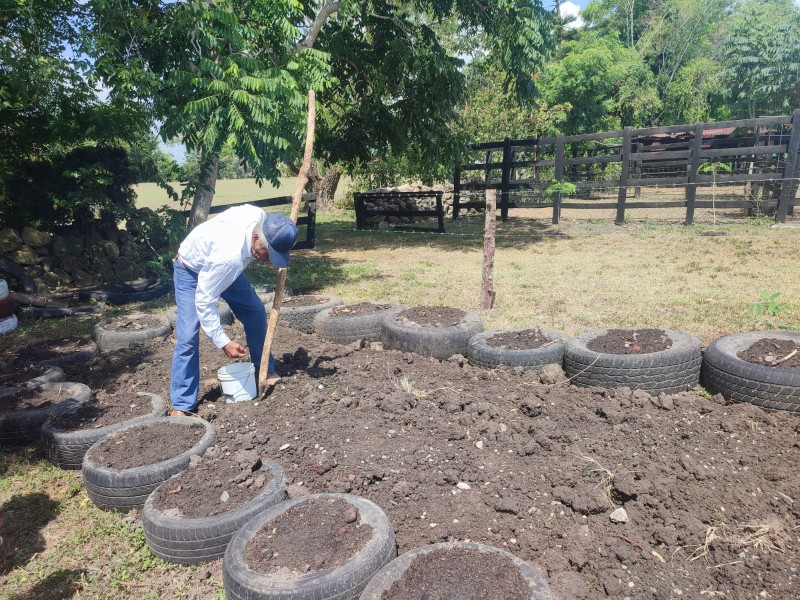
(281, 235)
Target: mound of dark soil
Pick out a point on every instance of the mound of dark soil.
(362, 308)
(107, 409)
(21, 374)
(295, 301)
(431, 316)
(145, 445)
(58, 348)
(526, 339)
(630, 341)
(770, 352)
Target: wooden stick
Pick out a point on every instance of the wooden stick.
(302, 179)
(487, 280)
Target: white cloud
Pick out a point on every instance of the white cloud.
(568, 9)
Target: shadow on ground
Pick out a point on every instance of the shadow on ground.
(59, 585)
(22, 519)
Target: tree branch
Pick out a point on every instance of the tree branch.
(323, 15)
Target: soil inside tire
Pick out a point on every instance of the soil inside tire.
(296, 301)
(362, 308)
(320, 533)
(631, 341)
(459, 573)
(527, 339)
(146, 445)
(17, 375)
(129, 323)
(215, 484)
(107, 409)
(54, 349)
(36, 398)
(431, 316)
(769, 351)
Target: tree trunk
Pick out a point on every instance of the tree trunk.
(204, 193)
(324, 186)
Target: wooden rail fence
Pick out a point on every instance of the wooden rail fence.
(762, 155)
(364, 212)
(310, 220)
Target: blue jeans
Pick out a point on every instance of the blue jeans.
(246, 306)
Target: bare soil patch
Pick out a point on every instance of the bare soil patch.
(107, 409)
(36, 398)
(771, 352)
(432, 316)
(58, 348)
(294, 301)
(317, 534)
(146, 445)
(361, 308)
(17, 375)
(454, 452)
(217, 483)
(462, 574)
(132, 323)
(630, 341)
(527, 339)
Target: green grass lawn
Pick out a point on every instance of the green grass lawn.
(229, 191)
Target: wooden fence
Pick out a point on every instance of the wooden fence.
(364, 212)
(310, 220)
(762, 155)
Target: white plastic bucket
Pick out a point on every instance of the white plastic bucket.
(238, 381)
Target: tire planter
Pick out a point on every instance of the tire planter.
(741, 381)
(437, 342)
(386, 577)
(225, 314)
(126, 489)
(345, 329)
(67, 448)
(52, 374)
(19, 273)
(266, 293)
(53, 312)
(195, 540)
(302, 317)
(23, 427)
(73, 358)
(344, 582)
(669, 371)
(481, 354)
(108, 340)
(139, 290)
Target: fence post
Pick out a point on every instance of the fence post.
(691, 181)
(311, 226)
(791, 169)
(558, 175)
(440, 211)
(456, 192)
(487, 272)
(623, 177)
(505, 179)
(359, 202)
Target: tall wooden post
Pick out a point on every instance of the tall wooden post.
(487, 279)
(623, 178)
(691, 181)
(456, 192)
(791, 169)
(505, 180)
(558, 176)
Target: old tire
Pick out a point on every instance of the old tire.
(266, 293)
(72, 359)
(386, 577)
(481, 354)
(225, 314)
(19, 273)
(54, 312)
(202, 539)
(139, 290)
(126, 489)
(344, 582)
(67, 448)
(669, 371)
(343, 329)
(52, 374)
(438, 342)
(108, 341)
(302, 317)
(741, 381)
(23, 427)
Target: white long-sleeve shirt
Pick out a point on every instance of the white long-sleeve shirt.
(219, 251)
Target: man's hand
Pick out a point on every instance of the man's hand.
(234, 350)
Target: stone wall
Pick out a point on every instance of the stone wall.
(101, 253)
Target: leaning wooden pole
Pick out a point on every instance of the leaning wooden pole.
(302, 179)
(487, 280)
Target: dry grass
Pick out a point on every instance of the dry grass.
(576, 277)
